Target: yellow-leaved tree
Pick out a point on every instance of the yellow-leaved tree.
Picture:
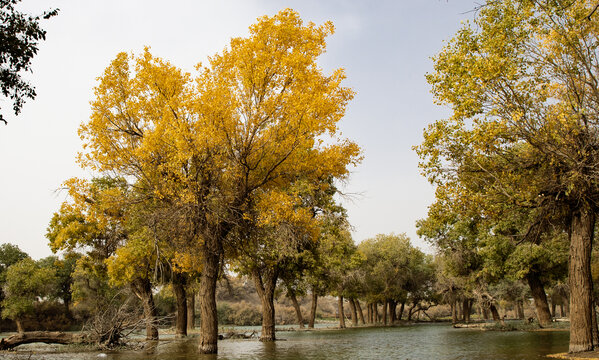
(258, 116)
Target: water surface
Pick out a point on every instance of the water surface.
(425, 341)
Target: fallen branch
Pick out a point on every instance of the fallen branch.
(48, 337)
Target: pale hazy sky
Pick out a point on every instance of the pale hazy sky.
(385, 47)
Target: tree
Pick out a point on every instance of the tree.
(26, 282)
(64, 269)
(340, 260)
(91, 220)
(485, 250)
(9, 254)
(133, 265)
(522, 86)
(396, 272)
(330, 262)
(248, 125)
(19, 37)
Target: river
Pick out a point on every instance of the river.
(423, 341)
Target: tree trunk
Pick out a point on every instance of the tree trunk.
(67, 308)
(494, 312)
(375, 309)
(411, 312)
(353, 311)
(561, 310)
(369, 314)
(20, 329)
(579, 279)
(265, 282)
(553, 308)
(208, 314)
(485, 314)
(179, 283)
(341, 313)
(520, 305)
(142, 288)
(191, 309)
(401, 308)
(48, 337)
(466, 310)
(540, 299)
(313, 309)
(595, 330)
(392, 311)
(454, 312)
(298, 310)
(385, 305)
(360, 313)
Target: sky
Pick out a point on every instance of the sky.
(384, 46)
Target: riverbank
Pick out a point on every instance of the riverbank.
(591, 355)
(513, 325)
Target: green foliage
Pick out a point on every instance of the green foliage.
(90, 289)
(19, 37)
(64, 270)
(26, 282)
(394, 270)
(165, 301)
(9, 254)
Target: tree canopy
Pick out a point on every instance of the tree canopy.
(522, 83)
(19, 37)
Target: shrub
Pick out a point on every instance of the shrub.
(241, 314)
(164, 301)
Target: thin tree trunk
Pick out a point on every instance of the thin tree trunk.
(369, 312)
(466, 310)
(553, 307)
(579, 279)
(360, 313)
(313, 309)
(265, 282)
(375, 309)
(67, 308)
(485, 314)
(411, 312)
(20, 329)
(208, 314)
(298, 310)
(401, 309)
(191, 312)
(353, 311)
(142, 288)
(392, 311)
(561, 310)
(179, 283)
(595, 330)
(454, 312)
(540, 299)
(520, 307)
(341, 313)
(385, 305)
